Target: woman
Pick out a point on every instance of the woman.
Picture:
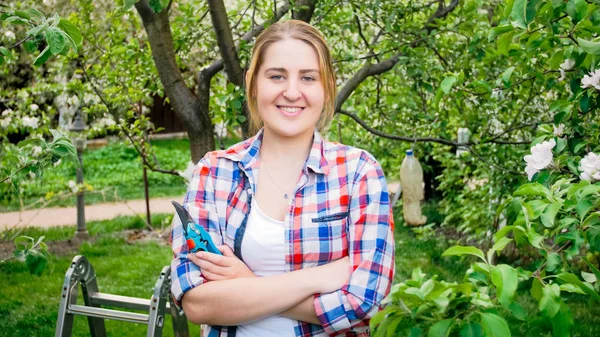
(304, 224)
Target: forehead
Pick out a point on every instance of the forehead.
(290, 54)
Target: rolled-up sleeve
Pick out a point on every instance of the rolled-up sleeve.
(371, 251)
(200, 203)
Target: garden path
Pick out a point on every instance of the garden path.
(61, 216)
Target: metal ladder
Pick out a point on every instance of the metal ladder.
(82, 273)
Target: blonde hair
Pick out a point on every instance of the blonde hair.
(301, 31)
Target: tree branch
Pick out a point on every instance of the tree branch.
(207, 73)
(429, 139)
(375, 69)
(141, 152)
(304, 14)
(227, 48)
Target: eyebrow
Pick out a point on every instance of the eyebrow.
(302, 71)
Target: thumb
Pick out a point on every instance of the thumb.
(226, 251)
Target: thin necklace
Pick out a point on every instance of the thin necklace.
(285, 192)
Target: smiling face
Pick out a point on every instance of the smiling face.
(289, 89)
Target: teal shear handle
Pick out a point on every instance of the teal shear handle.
(196, 236)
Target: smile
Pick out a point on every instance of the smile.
(289, 110)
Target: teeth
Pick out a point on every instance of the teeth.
(291, 110)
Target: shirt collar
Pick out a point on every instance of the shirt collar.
(246, 153)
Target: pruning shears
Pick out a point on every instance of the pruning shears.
(196, 236)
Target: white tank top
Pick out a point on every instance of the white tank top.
(263, 250)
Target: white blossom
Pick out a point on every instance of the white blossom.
(590, 167)
(5, 122)
(89, 98)
(568, 64)
(32, 122)
(49, 2)
(34, 107)
(73, 186)
(105, 122)
(57, 162)
(10, 35)
(540, 157)
(6, 112)
(189, 171)
(73, 100)
(591, 80)
(36, 151)
(558, 130)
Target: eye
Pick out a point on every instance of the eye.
(276, 77)
(309, 78)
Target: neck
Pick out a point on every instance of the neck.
(285, 150)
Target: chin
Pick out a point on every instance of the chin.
(290, 131)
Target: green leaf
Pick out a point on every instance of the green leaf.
(577, 10)
(499, 30)
(591, 189)
(571, 278)
(36, 15)
(72, 31)
(4, 51)
(464, 250)
(588, 277)
(550, 302)
(583, 207)
(155, 5)
(472, 329)
(505, 279)
(553, 262)
(536, 289)
(494, 326)
(533, 189)
(22, 14)
(37, 29)
(440, 329)
(506, 76)
(55, 39)
(447, 84)
(415, 332)
(36, 262)
(589, 47)
(517, 311)
(498, 247)
(43, 56)
(550, 214)
(534, 238)
(504, 42)
(518, 14)
(128, 4)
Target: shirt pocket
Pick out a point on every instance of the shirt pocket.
(332, 233)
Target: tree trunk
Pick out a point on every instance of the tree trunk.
(192, 110)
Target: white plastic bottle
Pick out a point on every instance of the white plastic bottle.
(411, 179)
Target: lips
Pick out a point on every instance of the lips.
(290, 111)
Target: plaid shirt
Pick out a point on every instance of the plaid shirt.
(340, 208)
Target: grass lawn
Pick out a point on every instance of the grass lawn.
(29, 304)
(114, 172)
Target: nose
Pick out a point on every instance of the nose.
(292, 93)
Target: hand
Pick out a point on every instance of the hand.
(334, 275)
(220, 267)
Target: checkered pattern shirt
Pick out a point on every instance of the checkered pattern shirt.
(340, 208)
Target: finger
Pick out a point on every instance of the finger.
(226, 251)
(212, 276)
(219, 260)
(210, 267)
